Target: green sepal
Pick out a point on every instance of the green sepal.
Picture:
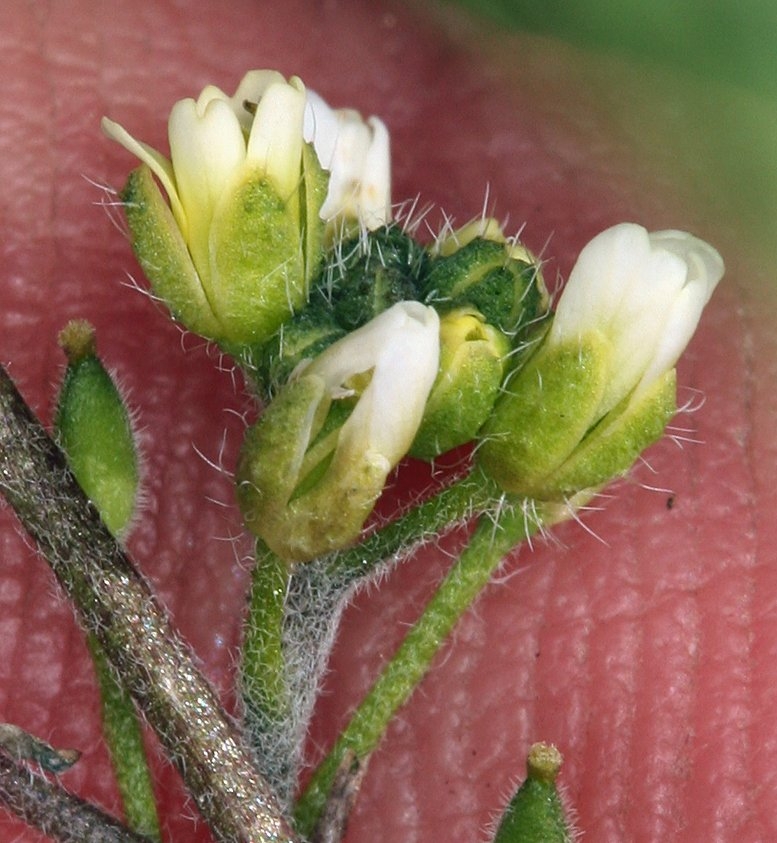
(257, 258)
(472, 358)
(611, 448)
(163, 254)
(481, 274)
(544, 412)
(535, 813)
(315, 184)
(94, 429)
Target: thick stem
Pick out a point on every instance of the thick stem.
(54, 811)
(118, 607)
(495, 535)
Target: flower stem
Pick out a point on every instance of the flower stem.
(467, 496)
(293, 612)
(494, 536)
(117, 606)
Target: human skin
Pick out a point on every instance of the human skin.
(641, 641)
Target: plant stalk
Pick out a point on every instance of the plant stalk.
(118, 607)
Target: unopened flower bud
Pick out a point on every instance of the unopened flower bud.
(488, 273)
(601, 386)
(472, 362)
(314, 464)
(536, 813)
(371, 273)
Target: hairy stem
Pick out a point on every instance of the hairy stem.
(54, 811)
(118, 607)
(465, 497)
(495, 535)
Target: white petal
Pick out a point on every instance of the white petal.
(159, 165)
(645, 293)
(705, 265)
(358, 157)
(375, 197)
(705, 269)
(599, 280)
(321, 127)
(401, 347)
(207, 95)
(275, 142)
(207, 152)
(251, 89)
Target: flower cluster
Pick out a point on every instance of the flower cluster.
(276, 242)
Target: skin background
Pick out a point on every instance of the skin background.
(642, 642)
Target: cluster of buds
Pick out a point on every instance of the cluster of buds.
(278, 244)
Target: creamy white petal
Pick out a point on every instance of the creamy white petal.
(375, 196)
(160, 166)
(644, 293)
(358, 157)
(207, 151)
(251, 89)
(401, 349)
(321, 127)
(275, 142)
(207, 95)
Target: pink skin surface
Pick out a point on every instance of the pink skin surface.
(642, 643)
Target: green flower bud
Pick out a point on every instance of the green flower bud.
(369, 274)
(488, 273)
(94, 430)
(301, 339)
(314, 464)
(601, 386)
(472, 363)
(372, 272)
(234, 252)
(536, 814)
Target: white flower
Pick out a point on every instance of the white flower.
(357, 155)
(644, 293)
(313, 466)
(601, 387)
(216, 143)
(249, 194)
(400, 348)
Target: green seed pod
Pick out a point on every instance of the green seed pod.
(472, 362)
(95, 431)
(535, 814)
(483, 274)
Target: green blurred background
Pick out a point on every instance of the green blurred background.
(729, 41)
(723, 54)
